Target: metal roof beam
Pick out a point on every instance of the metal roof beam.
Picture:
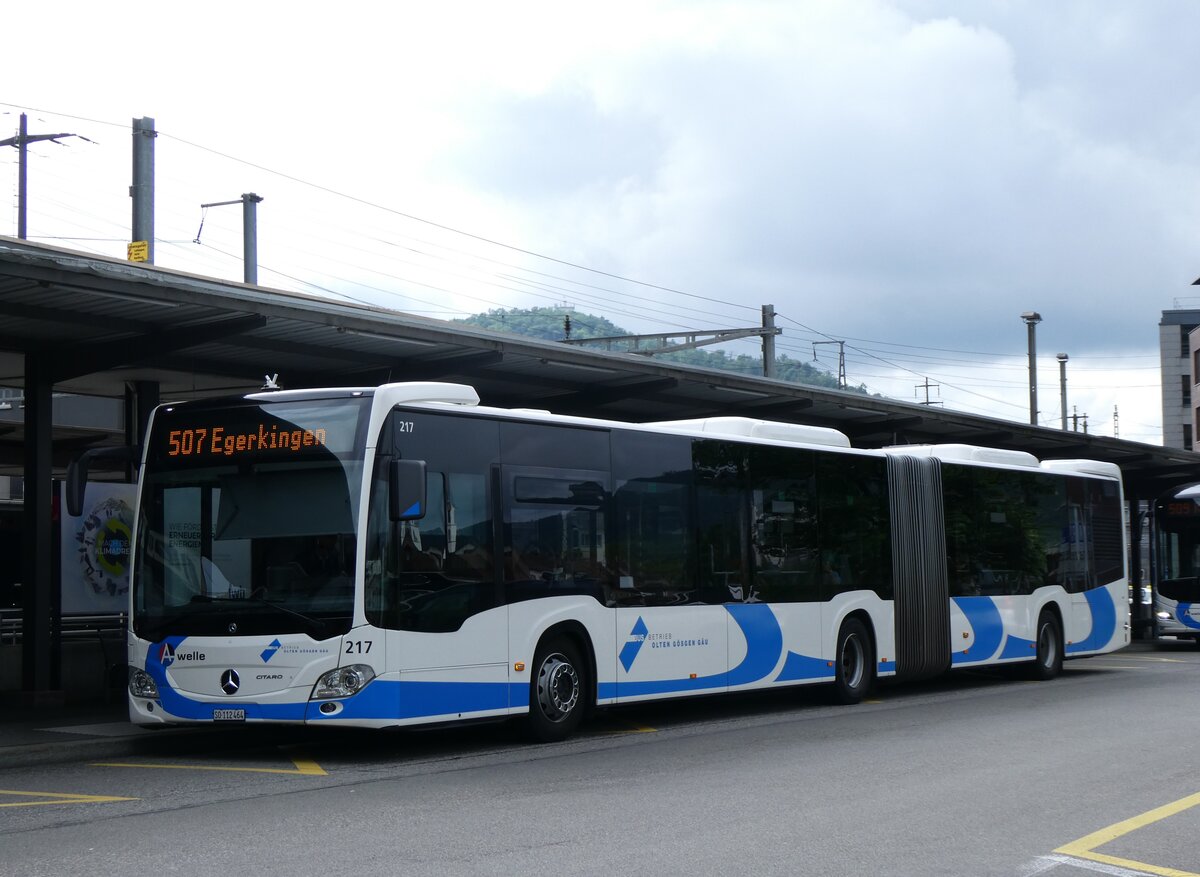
(59, 316)
(608, 393)
(432, 369)
(290, 379)
(90, 358)
(275, 345)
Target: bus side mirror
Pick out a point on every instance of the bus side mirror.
(77, 472)
(406, 490)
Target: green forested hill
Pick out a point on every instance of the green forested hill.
(548, 324)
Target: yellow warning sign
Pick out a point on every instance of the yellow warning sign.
(139, 251)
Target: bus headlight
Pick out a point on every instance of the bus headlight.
(342, 682)
(141, 685)
(1163, 616)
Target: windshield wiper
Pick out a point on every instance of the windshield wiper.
(313, 623)
(153, 630)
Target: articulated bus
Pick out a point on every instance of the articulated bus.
(403, 555)
(1177, 564)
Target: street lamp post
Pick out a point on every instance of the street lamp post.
(1062, 386)
(1032, 318)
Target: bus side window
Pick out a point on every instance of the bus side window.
(1107, 528)
(652, 547)
(962, 530)
(788, 565)
(722, 522)
(854, 521)
(423, 541)
(469, 528)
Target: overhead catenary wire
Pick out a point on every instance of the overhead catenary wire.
(467, 275)
(492, 241)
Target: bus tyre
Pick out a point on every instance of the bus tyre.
(854, 664)
(1049, 647)
(557, 691)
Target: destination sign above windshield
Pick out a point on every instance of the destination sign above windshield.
(218, 441)
(310, 429)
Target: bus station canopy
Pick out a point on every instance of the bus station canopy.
(94, 327)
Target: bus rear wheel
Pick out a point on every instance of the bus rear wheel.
(557, 690)
(854, 663)
(1049, 648)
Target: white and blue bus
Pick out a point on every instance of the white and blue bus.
(402, 555)
(1176, 575)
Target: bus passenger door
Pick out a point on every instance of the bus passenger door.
(448, 627)
(456, 627)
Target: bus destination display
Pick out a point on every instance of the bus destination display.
(291, 430)
(219, 441)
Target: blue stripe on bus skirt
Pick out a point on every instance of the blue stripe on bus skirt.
(381, 699)
(1104, 621)
(389, 699)
(985, 621)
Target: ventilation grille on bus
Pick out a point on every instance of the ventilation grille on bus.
(922, 597)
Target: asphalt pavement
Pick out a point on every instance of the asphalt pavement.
(48, 734)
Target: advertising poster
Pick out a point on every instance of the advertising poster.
(95, 550)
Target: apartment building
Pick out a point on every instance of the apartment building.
(1178, 343)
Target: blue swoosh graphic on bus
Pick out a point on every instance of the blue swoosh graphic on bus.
(1182, 616)
(1016, 647)
(764, 644)
(1104, 621)
(797, 666)
(985, 621)
(764, 641)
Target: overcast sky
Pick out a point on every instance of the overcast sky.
(906, 177)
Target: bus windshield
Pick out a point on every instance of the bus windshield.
(247, 519)
(1178, 530)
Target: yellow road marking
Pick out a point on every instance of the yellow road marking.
(303, 767)
(632, 729)
(58, 798)
(1149, 660)
(1085, 847)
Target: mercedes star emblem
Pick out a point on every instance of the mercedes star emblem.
(230, 683)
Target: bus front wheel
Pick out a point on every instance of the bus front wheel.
(556, 691)
(854, 664)
(1049, 645)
